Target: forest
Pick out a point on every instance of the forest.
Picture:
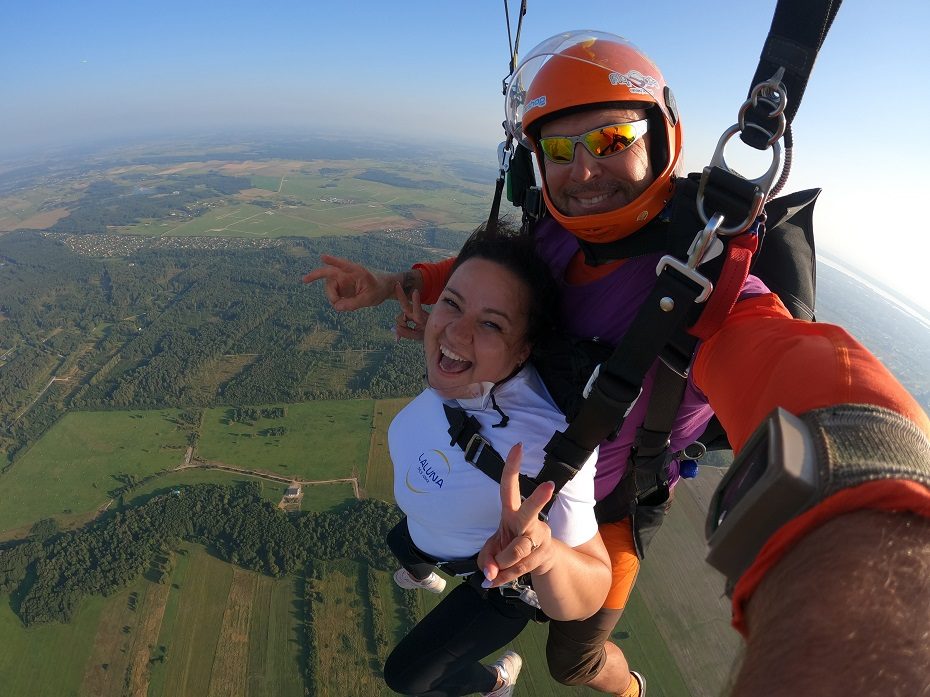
(48, 573)
(185, 327)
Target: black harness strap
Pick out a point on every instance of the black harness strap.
(650, 454)
(798, 30)
(620, 378)
(465, 431)
(459, 567)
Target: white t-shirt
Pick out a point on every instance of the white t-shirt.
(452, 507)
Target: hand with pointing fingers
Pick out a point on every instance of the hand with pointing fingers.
(350, 286)
(522, 543)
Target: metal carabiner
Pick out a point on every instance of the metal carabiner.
(773, 93)
(702, 248)
(705, 245)
(504, 153)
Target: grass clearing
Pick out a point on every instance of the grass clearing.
(220, 371)
(229, 677)
(318, 338)
(346, 664)
(274, 661)
(261, 181)
(193, 636)
(75, 465)
(379, 474)
(332, 369)
(48, 659)
(182, 566)
(143, 649)
(228, 632)
(107, 666)
(324, 440)
(122, 648)
(326, 497)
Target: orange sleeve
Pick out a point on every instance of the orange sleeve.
(762, 358)
(435, 275)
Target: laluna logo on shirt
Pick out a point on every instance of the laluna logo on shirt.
(427, 474)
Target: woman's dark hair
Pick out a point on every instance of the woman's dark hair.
(517, 253)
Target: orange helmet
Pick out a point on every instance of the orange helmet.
(588, 69)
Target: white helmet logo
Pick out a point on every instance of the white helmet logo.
(539, 101)
(636, 81)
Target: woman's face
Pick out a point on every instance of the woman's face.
(477, 329)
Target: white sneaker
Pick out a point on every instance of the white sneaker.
(508, 668)
(642, 682)
(434, 583)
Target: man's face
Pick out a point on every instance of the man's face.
(589, 185)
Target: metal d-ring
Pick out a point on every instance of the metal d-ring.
(763, 183)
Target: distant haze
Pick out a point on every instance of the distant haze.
(71, 73)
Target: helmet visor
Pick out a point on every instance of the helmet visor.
(564, 59)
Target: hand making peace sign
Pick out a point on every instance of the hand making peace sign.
(522, 543)
(410, 322)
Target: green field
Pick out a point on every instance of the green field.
(214, 630)
(345, 661)
(70, 471)
(73, 470)
(324, 440)
(379, 475)
(236, 220)
(227, 632)
(261, 181)
(323, 497)
(306, 202)
(49, 659)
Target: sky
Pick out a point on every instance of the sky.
(74, 72)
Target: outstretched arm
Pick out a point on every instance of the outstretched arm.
(845, 612)
(570, 582)
(836, 602)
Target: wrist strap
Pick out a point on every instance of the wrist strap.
(860, 443)
(881, 463)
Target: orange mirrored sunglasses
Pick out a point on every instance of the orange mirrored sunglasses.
(601, 142)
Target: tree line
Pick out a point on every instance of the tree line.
(49, 573)
(106, 203)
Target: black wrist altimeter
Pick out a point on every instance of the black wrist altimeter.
(790, 463)
(772, 480)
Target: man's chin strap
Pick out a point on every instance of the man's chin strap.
(652, 238)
